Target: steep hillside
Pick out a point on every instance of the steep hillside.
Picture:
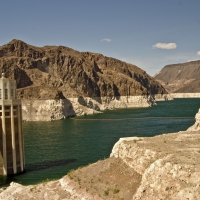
(177, 76)
(71, 72)
(193, 87)
(88, 79)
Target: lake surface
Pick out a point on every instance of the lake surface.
(53, 148)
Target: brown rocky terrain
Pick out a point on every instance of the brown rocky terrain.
(193, 87)
(180, 78)
(161, 167)
(58, 72)
(71, 73)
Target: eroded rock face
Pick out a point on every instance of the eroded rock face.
(168, 164)
(161, 167)
(74, 73)
(54, 109)
(57, 72)
(196, 126)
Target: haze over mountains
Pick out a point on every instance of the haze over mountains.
(180, 78)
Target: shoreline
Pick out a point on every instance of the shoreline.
(185, 95)
(51, 109)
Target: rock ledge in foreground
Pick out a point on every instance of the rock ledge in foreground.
(161, 167)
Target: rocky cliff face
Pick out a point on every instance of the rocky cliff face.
(58, 72)
(181, 78)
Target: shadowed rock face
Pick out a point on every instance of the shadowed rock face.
(180, 78)
(53, 72)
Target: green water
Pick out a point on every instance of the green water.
(53, 148)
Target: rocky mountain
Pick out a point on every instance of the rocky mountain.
(192, 87)
(82, 78)
(180, 78)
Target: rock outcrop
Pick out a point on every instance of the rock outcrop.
(167, 163)
(196, 126)
(58, 72)
(180, 78)
(161, 167)
(47, 110)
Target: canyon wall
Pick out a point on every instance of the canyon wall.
(66, 82)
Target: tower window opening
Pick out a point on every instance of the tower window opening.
(11, 93)
(6, 93)
(7, 113)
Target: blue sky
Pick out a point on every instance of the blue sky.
(147, 33)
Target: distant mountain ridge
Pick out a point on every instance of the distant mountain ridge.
(180, 78)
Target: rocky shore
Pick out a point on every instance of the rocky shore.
(185, 95)
(196, 126)
(55, 109)
(161, 167)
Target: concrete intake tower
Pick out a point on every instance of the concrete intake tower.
(11, 136)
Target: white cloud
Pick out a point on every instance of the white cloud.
(165, 46)
(198, 53)
(106, 40)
